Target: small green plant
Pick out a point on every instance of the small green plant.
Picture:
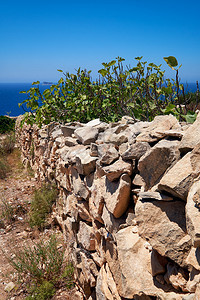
(7, 211)
(6, 124)
(44, 291)
(41, 205)
(42, 265)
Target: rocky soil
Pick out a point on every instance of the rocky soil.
(17, 190)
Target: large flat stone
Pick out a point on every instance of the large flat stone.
(163, 224)
(156, 161)
(117, 195)
(193, 213)
(178, 180)
(191, 136)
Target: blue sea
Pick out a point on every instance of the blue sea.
(10, 97)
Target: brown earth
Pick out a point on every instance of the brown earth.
(16, 191)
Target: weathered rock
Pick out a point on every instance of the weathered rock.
(115, 170)
(138, 180)
(156, 161)
(135, 151)
(157, 127)
(158, 263)
(111, 223)
(70, 142)
(176, 276)
(107, 153)
(117, 195)
(154, 196)
(96, 201)
(9, 287)
(193, 258)
(86, 134)
(179, 178)
(106, 287)
(85, 163)
(193, 214)
(191, 136)
(135, 264)
(194, 279)
(83, 210)
(78, 185)
(163, 224)
(85, 236)
(116, 135)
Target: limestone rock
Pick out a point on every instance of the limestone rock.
(193, 281)
(176, 276)
(135, 151)
(156, 161)
(85, 163)
(157, 127)
(9, 287)
(106, 287)
(111, 223)
(96, 200)
(193, 259)
(107, 153)
(193, 213)
(179, 178)
(78, 185)
(86, 134)
(85, 236)
(154, 196)
(135, 264)
(115, 170)
(163, 224)
(117, 195)
(158, 263)
(83, 210)
(191, 136)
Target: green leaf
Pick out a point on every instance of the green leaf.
(103, 72)
(190, 117)
(22, 92)
(60, 70)
(171, 61)
(35, 82)
(112, 63)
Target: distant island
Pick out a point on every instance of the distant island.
(47, 83)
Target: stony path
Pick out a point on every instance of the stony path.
(15, 191)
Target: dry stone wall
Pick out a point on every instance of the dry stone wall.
(129, 203)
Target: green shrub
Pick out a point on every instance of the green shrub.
(41, 205)
(42, 265)
(141, 92)
(6, 124)
(7, 211)
(43, 292)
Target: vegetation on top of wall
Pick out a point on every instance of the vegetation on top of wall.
(141, 92)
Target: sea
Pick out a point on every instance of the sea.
(10, 96)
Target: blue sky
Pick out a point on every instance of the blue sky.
(39, 37)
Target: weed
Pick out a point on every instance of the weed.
(42, 265)
(41, 205)
(43, 292)
(7, 211)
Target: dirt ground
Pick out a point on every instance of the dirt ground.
(17, 190)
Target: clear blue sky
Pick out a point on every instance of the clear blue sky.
(39, 37)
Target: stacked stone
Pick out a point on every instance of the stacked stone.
(129, 203)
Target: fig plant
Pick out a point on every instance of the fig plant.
(141, 92)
